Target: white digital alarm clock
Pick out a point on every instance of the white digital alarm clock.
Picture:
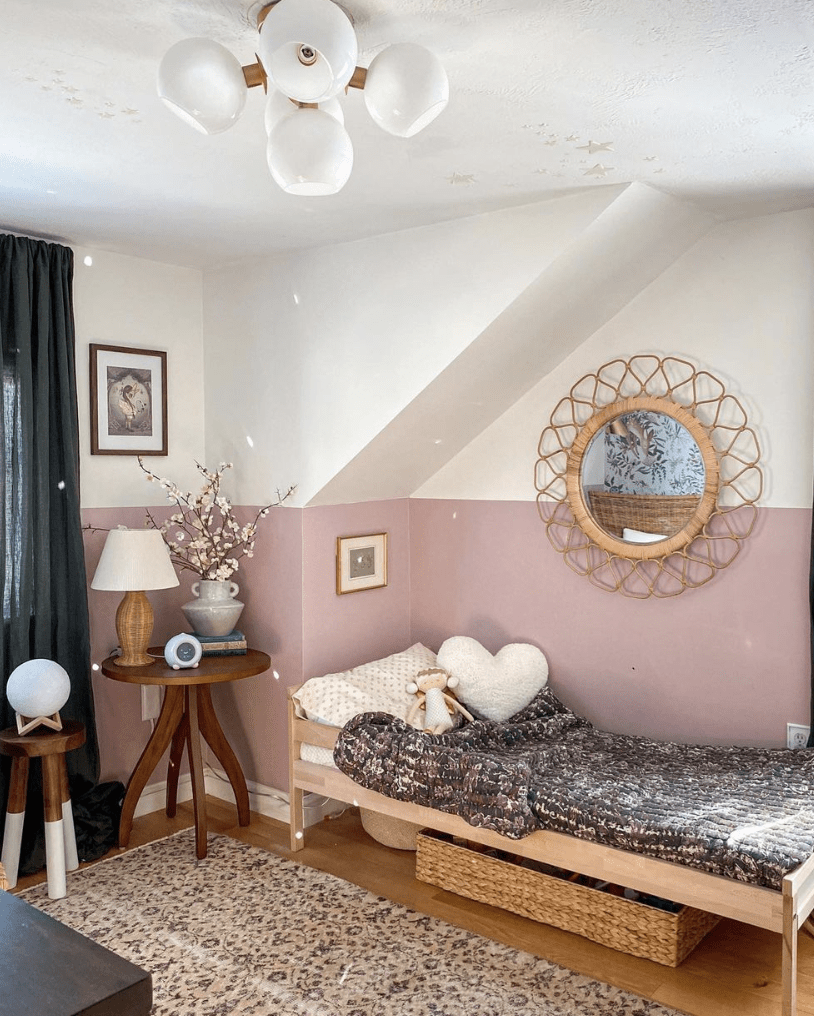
(183, 651)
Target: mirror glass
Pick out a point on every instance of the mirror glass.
(642, 477)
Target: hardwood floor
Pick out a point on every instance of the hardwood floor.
(735, 971)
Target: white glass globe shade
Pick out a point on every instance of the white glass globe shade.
(38, 688)
(203, 84)
(405, 89)
(308, 49)
(279, 105)
(310, 153)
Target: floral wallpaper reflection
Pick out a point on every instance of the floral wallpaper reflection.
(651, 453)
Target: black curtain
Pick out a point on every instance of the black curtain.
(45, 608)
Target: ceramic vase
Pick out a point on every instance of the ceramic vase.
(214, 611)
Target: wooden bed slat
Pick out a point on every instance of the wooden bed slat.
(713, 893)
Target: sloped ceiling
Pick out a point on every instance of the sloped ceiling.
(710, 102)
(628, 244)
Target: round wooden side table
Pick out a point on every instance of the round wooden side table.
(186, 714)
(60, 842)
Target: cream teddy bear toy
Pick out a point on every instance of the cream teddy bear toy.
(439, 707)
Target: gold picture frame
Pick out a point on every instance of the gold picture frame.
(361, 562)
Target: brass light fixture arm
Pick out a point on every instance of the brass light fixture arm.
(255, 75)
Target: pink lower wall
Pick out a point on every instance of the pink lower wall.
(343, 631)
(726, 663)
(292, 612)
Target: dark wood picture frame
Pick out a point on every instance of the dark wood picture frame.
(128, 400)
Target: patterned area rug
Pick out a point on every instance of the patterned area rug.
(247, 932)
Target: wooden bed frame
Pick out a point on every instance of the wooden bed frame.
(784, 912)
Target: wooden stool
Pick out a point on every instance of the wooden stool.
(60, 842)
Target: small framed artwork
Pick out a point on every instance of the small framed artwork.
(128, 401)
(361, 562)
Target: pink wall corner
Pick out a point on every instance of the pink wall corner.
(252, 712)
(122, 732)
(726, 663)
(344, 631)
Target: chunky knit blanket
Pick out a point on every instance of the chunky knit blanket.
(746, 813)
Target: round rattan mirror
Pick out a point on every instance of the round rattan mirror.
(648, 476)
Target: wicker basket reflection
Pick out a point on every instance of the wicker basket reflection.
(664, 514)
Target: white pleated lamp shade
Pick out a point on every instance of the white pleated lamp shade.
(203, 84)
(310, 153)
(279, 105)
(308, 49)
(134, 559)
(405, 89)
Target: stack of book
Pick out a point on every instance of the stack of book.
(233, 644)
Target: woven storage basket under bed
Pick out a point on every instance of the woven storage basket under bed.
(622, 924)
(3, 879)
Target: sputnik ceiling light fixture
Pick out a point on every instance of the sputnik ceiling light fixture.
(307, 57)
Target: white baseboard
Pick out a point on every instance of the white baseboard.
(154, 796)
(263, 800)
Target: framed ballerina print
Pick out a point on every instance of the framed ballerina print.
(128, 401)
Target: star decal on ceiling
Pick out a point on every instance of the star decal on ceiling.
(70, 89)
(551, 141)
(597, 170)
(597, 146)
(75, 102)
(650, 158)
(542, 172)
(458, 178)
(572, 137)
(106, 116)
(130, 112)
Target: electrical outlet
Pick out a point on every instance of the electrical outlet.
(796, 735)
(150, 701)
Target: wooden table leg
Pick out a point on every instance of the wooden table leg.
(216, 739)
(171, 714)
(196, 769)
(174, 768)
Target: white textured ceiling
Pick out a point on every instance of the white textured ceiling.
(711, 100)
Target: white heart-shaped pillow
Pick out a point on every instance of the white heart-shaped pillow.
(497, 686)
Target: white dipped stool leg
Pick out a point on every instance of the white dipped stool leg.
(15, 816)
(53, 769)
(12, 838)
(71, 855)
(55, 859)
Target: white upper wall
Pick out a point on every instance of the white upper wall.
(741, 304)
(124, 301)
(616, 255)
(308, 358)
